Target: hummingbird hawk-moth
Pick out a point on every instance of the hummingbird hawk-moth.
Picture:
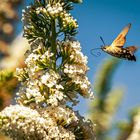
(116, 48)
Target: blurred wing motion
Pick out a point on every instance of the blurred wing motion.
(132, 48)
(116, 48)
(121, 38)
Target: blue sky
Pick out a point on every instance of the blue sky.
(107, 18)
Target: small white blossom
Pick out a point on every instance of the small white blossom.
(68, 20)
(47, 55)
(31, 59)
(49, 79)
(57, 97)
(55, 9)
(45, 78)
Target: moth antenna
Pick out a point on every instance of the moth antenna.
(102, 40)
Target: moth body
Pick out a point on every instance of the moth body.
(123, 53)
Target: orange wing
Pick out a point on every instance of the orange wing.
(121, 38)
(132, 48)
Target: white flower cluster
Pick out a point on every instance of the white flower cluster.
(41, 84)
(36, 55)
(61, 114)
(52, 10)
(20, 123)
(67, 20)
(50, 80)
(59, 123)
(80, 61)
(77, 70)
(56, 98)
(135, 134)
(56, 10)
(31, 91)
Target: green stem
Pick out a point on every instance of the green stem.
(53, 43)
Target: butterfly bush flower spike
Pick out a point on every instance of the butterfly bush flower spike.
(53, 78)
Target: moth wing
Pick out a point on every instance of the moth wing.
(121, 38)
(133, 49)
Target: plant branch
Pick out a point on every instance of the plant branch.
(53, 43)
